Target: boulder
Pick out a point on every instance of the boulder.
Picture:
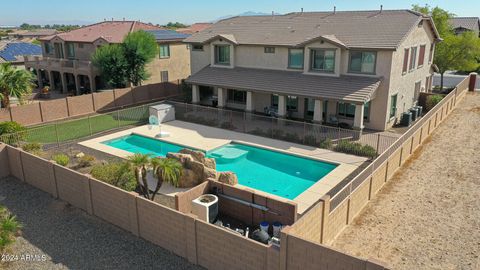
(210, 163)
(229, 178)
(196, 155)
(196, 167)
(209, 173)
(182, 158)
(188, 179)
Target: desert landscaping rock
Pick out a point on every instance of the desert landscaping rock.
(427, 216)
(228, 178)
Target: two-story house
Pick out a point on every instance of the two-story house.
(65, 64)
(364, 68)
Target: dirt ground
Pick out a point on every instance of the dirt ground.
(428, 215)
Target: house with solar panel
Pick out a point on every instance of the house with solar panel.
(65, 64)
(14, 52)
(358, 68)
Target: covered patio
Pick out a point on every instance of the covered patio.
(287, 94)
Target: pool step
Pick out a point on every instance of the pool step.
(229, 153)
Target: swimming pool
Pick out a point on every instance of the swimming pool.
(270, 171)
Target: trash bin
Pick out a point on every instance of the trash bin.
(420, 111)
(414, 112)
(406, 119)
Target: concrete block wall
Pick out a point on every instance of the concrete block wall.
(56, 109)
(310, 226)
(4, 163)
(39, 173)
(15, 162)
(183, 200)
(73, 187)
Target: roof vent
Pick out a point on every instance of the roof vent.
(334, 9)
(381, 8)
(301, 12)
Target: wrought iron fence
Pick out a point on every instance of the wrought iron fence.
(343, 190)
(350, 141)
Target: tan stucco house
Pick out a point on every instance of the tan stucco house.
(65, 64)
(364, 68)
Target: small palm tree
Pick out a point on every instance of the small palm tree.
(167, 170)
(140, 163)
(14, 83)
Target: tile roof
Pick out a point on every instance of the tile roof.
(471, 23)
(355, 29)
(12, 51)
(167, 35)
(112, 31)
(358, 89)
(194, 28)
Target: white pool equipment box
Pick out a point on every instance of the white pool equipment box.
(163, 112)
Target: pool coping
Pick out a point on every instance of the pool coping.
(304, 200)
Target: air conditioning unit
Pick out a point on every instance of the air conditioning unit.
(205, 207)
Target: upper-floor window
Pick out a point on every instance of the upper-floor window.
(269, 50)
(295, 58)
(164, 51)
(197, 47)
(421, 56)
(405, 61)
(70, 50)
(322, 60)
(222, 54)
(48, 48)
(362, 62)
(413, 58)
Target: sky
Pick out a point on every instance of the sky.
(190, 11)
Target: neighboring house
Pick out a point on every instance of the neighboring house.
(66, 62)
(14, 52)
(465, 24)
(364, 68)
(33, 34)
(194, 28)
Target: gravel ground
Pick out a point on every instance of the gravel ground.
(71, 239)
(427, 216)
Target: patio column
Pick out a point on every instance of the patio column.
(91, 79)
(64, 82)
(358, 121)
(195, 94)
(318, 111)
(52, 80)
(39, 78)
(222, 97)
(77, 85)
(249, 107)
(282, 106)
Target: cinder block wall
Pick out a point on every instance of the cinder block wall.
(4, 163)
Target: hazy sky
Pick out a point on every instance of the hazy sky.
(189, 11)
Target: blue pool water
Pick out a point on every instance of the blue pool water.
(273, 172)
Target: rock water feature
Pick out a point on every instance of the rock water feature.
(197, 168)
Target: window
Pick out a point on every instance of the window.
(164, 51)
(393, 105)
(222, 54)
(418, 86)
(292, 103)
(346, 109)
(80, 45)
(366, 111)
(164, 76)
(70, 50)
(295, 58)
(421, 56)
(197, 47)
(269, 49)
(405, 61)
(430, 56)
(413, 58)
(236, 96)
(48, 48)
(362, 62)
(322, 60)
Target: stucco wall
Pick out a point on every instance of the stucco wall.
(177, 65)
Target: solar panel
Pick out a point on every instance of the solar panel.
(12, 50)
(167, 34)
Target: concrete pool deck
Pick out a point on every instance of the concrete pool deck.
(208, 138)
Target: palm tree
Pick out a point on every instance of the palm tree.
(140, 163)
(167, 170)
(14, 83)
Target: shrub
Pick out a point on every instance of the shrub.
(118, 174)
(432, 101)
(356, 149)
(9, 228)
(61, 159)
(34, 148)
(325, 143)
(10, 127)
(86, 161)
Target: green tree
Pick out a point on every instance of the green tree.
(110, 59)
(139, 164)
(167, 170)
(455, 52)
(14, 83)
(140, 48)
(175, 25)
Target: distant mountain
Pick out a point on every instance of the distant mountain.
(247, 13)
